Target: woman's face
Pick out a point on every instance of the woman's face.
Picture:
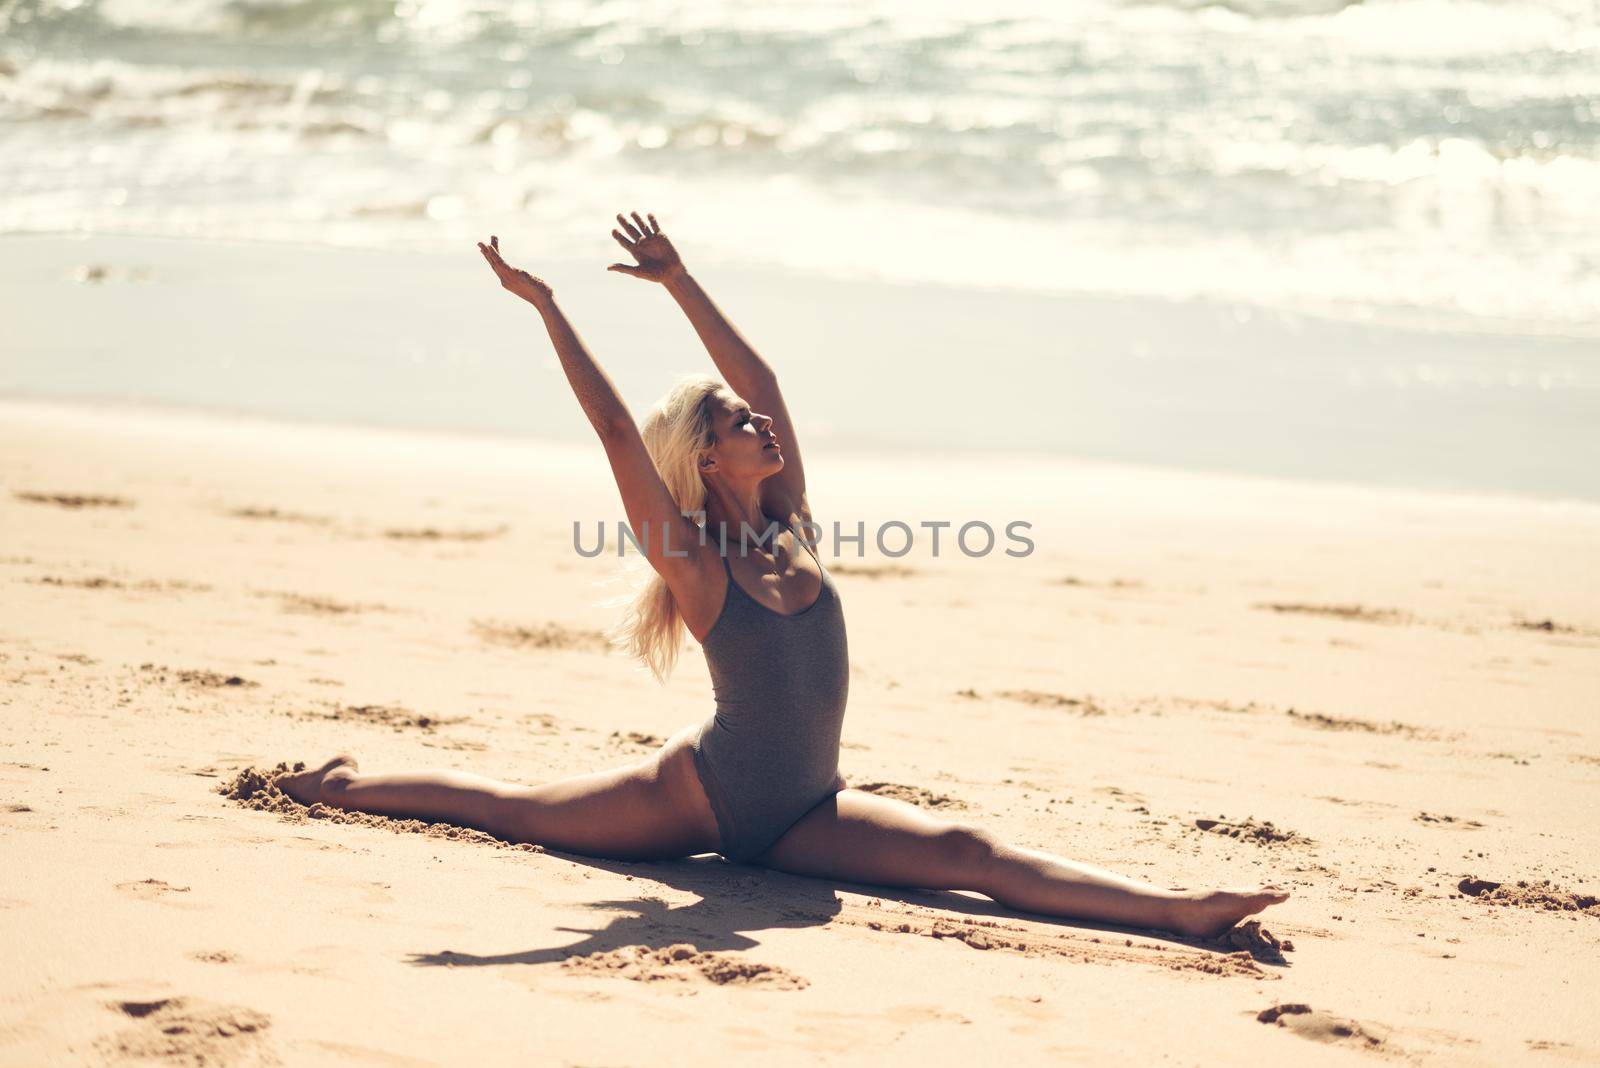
(745, 445)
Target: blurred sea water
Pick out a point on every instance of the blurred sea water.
(1425, 161)
(1299, 238)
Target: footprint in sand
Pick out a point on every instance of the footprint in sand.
(1446, 821)
(682, 962)
(1321, 721)
(544, 636)
(432, 534)
(308, 605)
(278, 515)
(96, 582)
(151, 889)
(1114, 584)
(1321, 1026)
(189, 1031)
(395, 717)
(1550, 626)
(73, 500)
(1042, 699)
(635, 738)
(873, 571)
(101, 582)
(206, 679)
(914, 795)
(1340, 611)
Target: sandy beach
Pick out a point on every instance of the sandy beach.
(1261, 336)
(1382, 699)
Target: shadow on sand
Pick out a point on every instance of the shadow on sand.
(736, 901)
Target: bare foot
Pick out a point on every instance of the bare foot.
(311, 786)
(1208, 913)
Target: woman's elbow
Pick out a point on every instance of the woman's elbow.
(614, 425)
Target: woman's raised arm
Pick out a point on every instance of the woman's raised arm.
(652, 513)
(746, 373)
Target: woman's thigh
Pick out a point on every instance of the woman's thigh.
(861, 837)
(652, 810)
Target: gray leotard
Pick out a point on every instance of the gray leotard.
(770, 752)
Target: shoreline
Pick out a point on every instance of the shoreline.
(409, 340)
(254, 429)
(1400, 318)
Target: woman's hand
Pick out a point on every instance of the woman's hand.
(658, 260)
(535, 291)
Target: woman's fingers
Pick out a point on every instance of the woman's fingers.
(637, 230)
(503, 270)
(494, 259)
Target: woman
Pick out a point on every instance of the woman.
(758, 781)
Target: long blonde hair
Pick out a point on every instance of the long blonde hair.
(675, 432)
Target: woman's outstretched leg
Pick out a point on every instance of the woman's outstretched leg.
(870, 839)
(1035, 881)
(435, 795)
(641, 812)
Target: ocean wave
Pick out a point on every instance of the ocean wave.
(580, 26)
(1411, 147)
(1256, 9)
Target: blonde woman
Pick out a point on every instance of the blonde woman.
(758, 781)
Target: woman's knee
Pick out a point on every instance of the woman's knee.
(968, 849)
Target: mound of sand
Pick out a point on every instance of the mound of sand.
(1543, 895)
(1257, 941)
(1262, 832)
(1321, 1026)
